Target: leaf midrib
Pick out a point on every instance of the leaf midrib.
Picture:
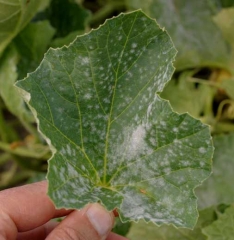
(113, 98)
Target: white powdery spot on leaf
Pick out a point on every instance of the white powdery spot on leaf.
(137, 141)
(202, 150)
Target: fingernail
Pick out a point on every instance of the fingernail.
(100, 218)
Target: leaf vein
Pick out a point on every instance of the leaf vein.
(113, 98)
(143, 157)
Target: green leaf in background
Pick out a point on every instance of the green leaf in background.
(121, 228)
(73, 17)
(37, 177)
(225, 21)
(222, 229)
(197, 38)
(219, 187)
(31, 44)
(60, 42)
(14, 16)
(17, 60)
(142, 230)
(185, 96)
(224, 3)
(9, 94)
(114, 139)
(228, 86)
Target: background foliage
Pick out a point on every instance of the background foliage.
(203, 85)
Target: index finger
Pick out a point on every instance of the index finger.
(27, 207)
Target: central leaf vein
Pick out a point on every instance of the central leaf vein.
(113, 98)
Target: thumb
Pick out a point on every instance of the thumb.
(91, 223)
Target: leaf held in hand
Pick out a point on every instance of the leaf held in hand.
(142, 230)
(114, 139)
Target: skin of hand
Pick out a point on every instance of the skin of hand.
(25, 213)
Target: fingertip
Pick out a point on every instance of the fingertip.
(101, 220)
(93, 222)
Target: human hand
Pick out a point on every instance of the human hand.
(25, 213)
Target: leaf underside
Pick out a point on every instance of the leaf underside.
(114, 139)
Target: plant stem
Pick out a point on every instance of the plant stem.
(220, 108)
(7, 131)
(3, 133)
(21, 176)
(197, 80)
(222, 127)
(23, 152)
(4, 158)
(8, 175)
(15, 179)
(30, 128)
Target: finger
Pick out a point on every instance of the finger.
(91, 223)
(114, 236)
(39, 233)
(25, 208)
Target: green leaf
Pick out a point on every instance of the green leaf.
(9, 94)
(43, 5)
(32, 43)
(73, 16)
(185, 96)
(219, 187)
(16, 61)
(60, 42)
(225, 21)
(142, 230)
(222, 229)
(121, 228)
(37, 177)
(14, 16)
(198, 40)
(114, 139)
(79, 1)
(224, 3)
(228, 86)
